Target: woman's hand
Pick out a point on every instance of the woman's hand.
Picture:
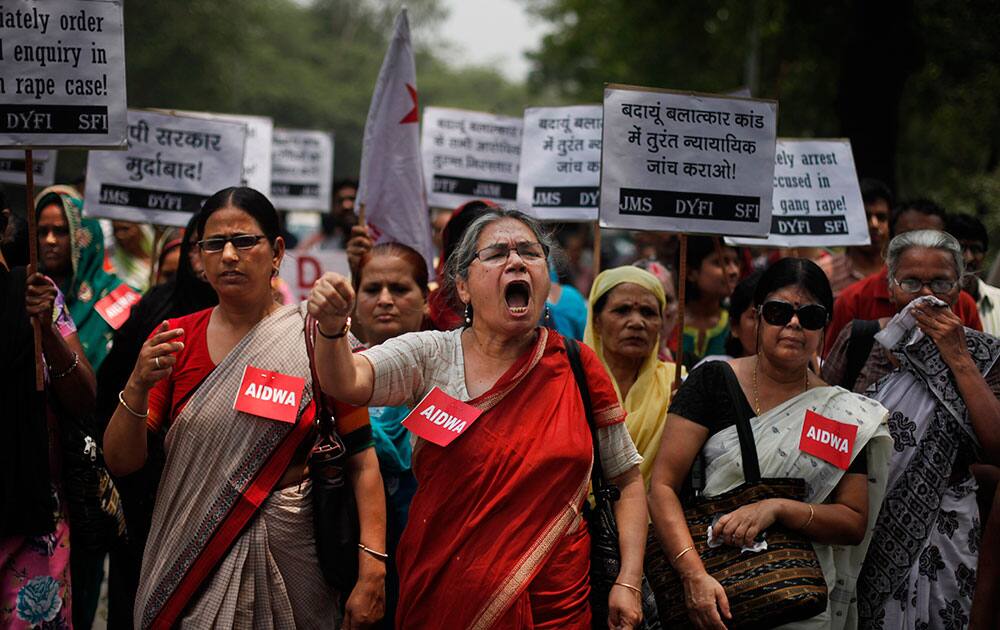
(366, 605)
(40, 299)
(741, 527)
(156, 357)
(706, 602)
(359, 245)
(331, 302)
(624, 608)
(945, 329)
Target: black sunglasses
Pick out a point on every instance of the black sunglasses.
(779, 313)
(240, 241)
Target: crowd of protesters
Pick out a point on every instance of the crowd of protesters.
(133, 459)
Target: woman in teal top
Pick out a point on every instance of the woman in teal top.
(391, 287)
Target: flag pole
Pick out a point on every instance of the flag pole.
(29, 193)
(597, 248)
(361, 214)
(681, 282)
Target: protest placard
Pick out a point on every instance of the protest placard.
(62, 74)
(560, 175)
(301, 169)
(300, 270)
(257, 156)
(817, 199)
(172, 165)
(690, 163)
(470, 155)
(12, 165)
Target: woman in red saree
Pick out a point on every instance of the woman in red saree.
(231, 543)
(495, 537)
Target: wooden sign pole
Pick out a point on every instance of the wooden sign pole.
(681, 282)
(29, 193)
(597, 248)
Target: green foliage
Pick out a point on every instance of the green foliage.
(306, 65)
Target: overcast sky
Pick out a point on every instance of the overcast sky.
(488, 32)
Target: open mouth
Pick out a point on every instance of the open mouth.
(517, 295)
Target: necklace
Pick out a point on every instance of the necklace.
(756, 395)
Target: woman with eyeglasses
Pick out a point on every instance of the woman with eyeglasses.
(495, 537)
(229, 389)
(777, 392)
(941, 384)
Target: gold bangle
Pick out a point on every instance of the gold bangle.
(812, 513)
(683, 551)
(121, 399)
(638, 591)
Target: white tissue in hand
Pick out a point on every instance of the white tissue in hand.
(903, 322)
(760, 545)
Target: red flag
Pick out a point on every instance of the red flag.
(392, 182)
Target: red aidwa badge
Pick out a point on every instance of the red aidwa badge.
(116, 306)
(439, 418)
(827, 439)
(269, 394)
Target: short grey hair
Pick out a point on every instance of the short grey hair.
(464, 253)
(928, 239)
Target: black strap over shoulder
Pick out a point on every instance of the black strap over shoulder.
(599, 481)
(859, 347)
(748, 447)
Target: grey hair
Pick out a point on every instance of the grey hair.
(928, 239)
(464, 253)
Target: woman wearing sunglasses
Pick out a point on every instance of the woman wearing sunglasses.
(775, 389)
(231, 543)
(941, 383)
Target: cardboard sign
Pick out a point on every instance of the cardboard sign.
(816, 199)
(116, 306)
(172, 165)
(12, 165)
(470, 155)
(269, 394)
(257, 156)
(300, 270)
(439, 418)
(687, 163)
(301, 169)
(62, 74)
(560, 174)
(827, 439)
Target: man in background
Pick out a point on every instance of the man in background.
(975, 241)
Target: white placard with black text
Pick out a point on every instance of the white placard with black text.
(689, 163)
(560, 175)
(301, 169)
(62, 74)
(469, 155)
(173, 164)
(12, 165)
(257, 157)
(817, 198)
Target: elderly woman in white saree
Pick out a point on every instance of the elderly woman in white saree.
(941, 383)
(231, 543)
(776, 389)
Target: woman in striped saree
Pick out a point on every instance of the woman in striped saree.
(231, 543)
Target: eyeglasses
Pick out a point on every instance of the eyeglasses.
(497, 254)
(240, 241)
(779, 313)
(938, 285)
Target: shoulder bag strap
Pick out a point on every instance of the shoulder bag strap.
(748, 449)
(573, 354)
(324, 419)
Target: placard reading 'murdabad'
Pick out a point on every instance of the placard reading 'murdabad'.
(172, 165)
(687, 163)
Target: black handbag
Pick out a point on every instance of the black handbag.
(335, 511)
(94, 508)
(779, 585)
(605, 555)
